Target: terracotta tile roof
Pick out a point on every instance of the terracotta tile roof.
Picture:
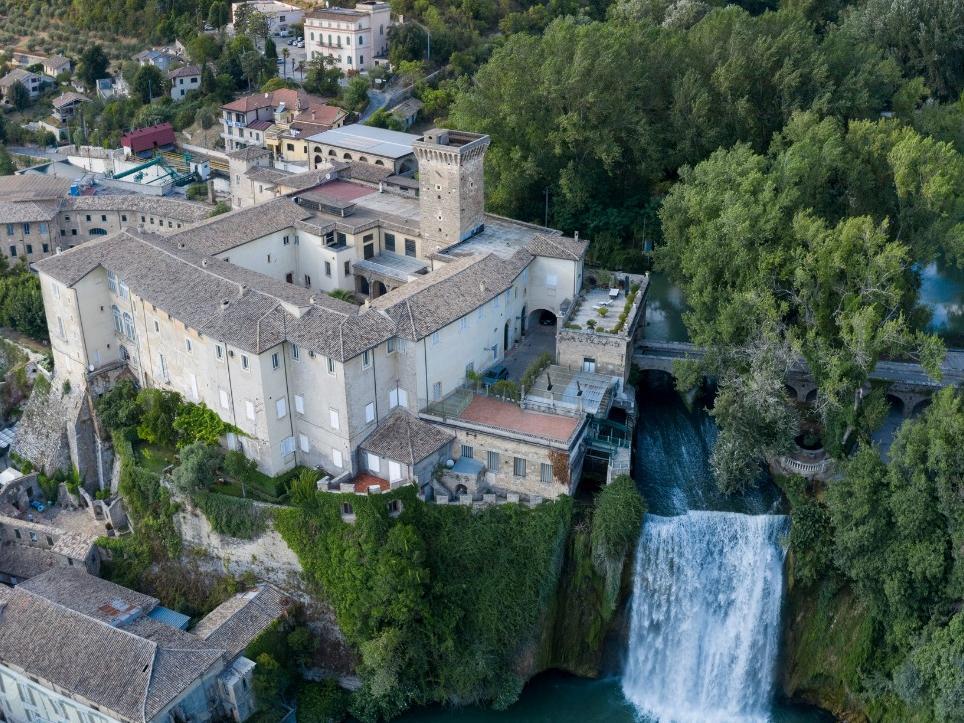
(405, 438)
(510, 417)
(259, 125)
(364, 482)
(293, 99)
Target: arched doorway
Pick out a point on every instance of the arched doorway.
(378, 289)
(363, 286)
(505, 337)
(896, 403)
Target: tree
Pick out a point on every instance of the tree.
(899, 526)
(762, 243)
(270, 51)
(381, 118)
(256, 68)
(218, 14)
(118, 408)
(159, 409)
(92, 66)
(7, 166)
(356, 94)
(149, 83)
(19, 96)
(927, 38)
(406, 41)
(285, 54)
(198, 423)
(203, 49)
(322, 76)
(198, 466)
(251, 22)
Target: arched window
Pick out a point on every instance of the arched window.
(362, 159)
(118, 325)
(379, 162)
(129, 326)
(317, 149)
(347, 156)
(97, 232)
(331, 152)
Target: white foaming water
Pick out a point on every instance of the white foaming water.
(705, 617)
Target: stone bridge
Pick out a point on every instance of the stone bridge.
(908, 384)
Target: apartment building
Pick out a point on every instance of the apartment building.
(74, 647)
(235, 312)
(355, 38)
(245, 120)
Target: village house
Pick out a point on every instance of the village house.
(57, 64)
(31, 81)
(66, 105)
(184, 80)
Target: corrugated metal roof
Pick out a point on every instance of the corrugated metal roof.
(368, 139)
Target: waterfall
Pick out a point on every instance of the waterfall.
(705, 617)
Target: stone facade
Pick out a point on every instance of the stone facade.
(451, 183)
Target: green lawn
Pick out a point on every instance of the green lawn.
(154, 457)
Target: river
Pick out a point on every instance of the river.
(721, 551)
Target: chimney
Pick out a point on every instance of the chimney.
(204, 263)
(180, 244)
(224, 303)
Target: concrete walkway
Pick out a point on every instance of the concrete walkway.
(538, 339)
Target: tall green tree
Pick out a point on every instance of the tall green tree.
(19, 96)
(149, 83)
(92, 66)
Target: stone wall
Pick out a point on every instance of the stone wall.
(266, 556)
(42, 431)
(611, 352)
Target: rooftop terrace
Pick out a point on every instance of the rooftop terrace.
(464, 405)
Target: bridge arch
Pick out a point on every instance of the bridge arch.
(919, 408)
(896, 403)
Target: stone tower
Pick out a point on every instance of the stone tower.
(451, 186)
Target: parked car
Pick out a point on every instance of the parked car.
(38, 505)
(495, 374)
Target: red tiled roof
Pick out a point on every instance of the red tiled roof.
(319, 114)
(259, 125)
(508, 416)
(294, 99)
(343, 190)
(365, 481)
(146, 138)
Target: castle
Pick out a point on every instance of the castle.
(237, 312)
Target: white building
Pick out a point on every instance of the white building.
(184, 80)
(355, 38)
(235, 313)
(280, 16)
